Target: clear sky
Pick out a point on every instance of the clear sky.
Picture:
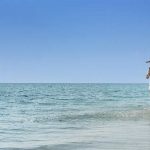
(74, 40)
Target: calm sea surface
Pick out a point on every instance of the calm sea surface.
(74, 117)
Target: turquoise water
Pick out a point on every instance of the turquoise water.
(74, 116)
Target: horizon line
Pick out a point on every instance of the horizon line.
(73, 82)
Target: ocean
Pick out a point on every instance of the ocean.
(74, 116)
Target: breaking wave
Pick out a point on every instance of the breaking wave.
(108, 115)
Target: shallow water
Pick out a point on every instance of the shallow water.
(74, 116)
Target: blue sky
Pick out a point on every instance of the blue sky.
(74, 40)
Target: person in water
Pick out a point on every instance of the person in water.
(148, 74)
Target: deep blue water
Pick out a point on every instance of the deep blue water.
(74, 116)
